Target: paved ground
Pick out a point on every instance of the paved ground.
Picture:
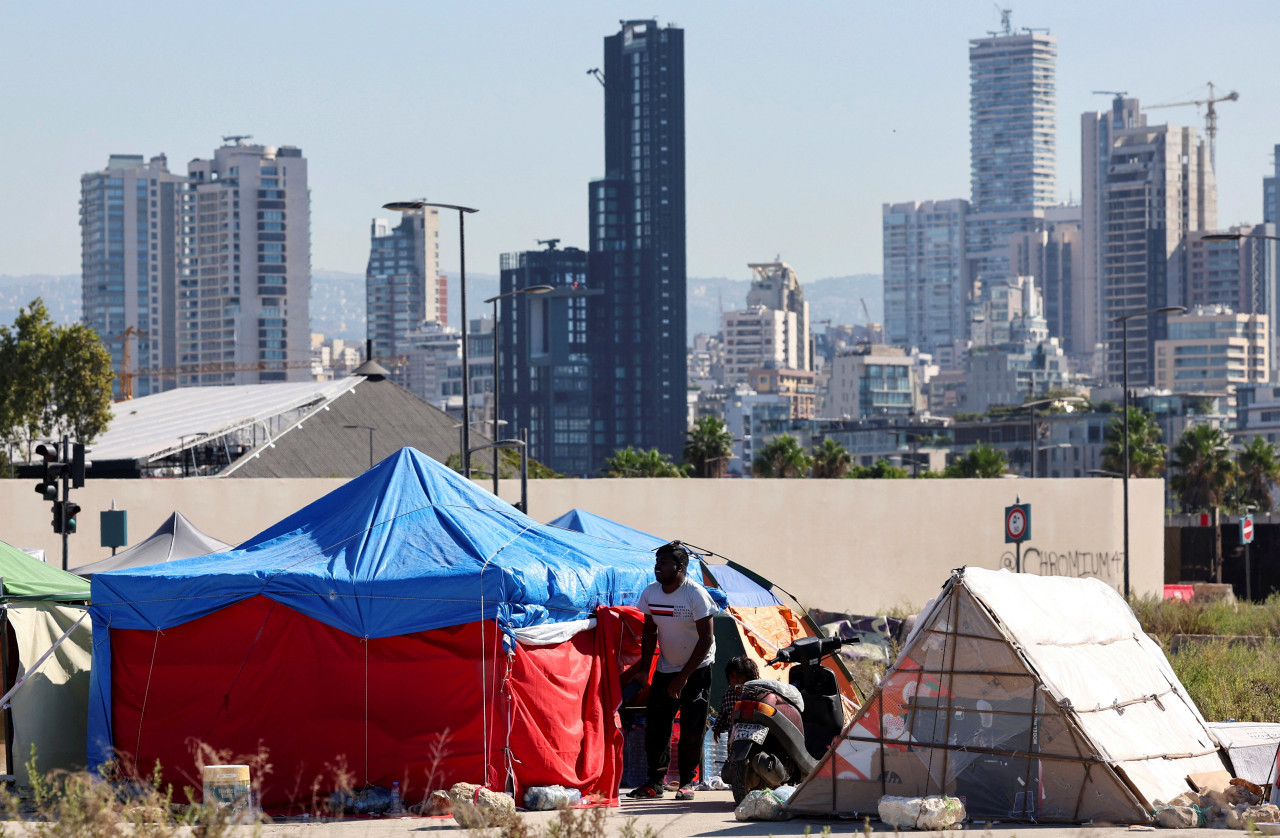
(711, 814)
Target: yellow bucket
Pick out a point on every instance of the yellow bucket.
(227, 786)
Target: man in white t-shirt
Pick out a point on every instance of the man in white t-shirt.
(678, 620)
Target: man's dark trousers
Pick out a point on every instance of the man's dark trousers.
(693, 703)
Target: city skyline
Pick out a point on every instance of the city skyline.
(802, 121)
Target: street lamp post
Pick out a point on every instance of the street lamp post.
(1123, 320)
(402, 206)
(1031, 408)
(370, 429)
(497, 363)
(523, 445)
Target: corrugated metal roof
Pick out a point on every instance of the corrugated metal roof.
(150, 427)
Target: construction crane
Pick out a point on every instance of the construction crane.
(873, 329)
(1210, 117)
(126, 383)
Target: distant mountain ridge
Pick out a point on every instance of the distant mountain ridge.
(338, 300)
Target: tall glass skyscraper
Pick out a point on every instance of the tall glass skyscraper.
(1012, 143)
(636, 335)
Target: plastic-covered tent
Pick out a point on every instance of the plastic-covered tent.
(409, 625)
(49, 679)
(1036, 698)
(177, 538)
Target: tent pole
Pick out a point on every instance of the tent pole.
(4, 665)
(951, 636)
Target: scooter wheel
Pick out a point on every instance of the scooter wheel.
(744, 782)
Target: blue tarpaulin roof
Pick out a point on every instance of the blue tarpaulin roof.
(739, 589)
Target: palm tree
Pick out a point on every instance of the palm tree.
(708, 446)
(1205, 473)
(633, 462)
(882, 470)
(979, 461)
(1259, 465)
(830, 459)
(782, 456)
(1146, 451)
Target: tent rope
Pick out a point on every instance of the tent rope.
(142, 714)
(366, 709)
(226, 697)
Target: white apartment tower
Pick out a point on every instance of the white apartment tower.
(245, 268)
(403, 287)
(1012, 142)
(773, 331)
(129, 227)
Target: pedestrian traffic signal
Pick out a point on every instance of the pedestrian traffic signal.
(57, 516)
(69, 512)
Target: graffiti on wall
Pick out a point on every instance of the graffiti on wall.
(1081, 564)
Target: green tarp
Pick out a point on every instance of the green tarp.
(25, 576)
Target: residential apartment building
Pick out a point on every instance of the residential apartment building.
(1012, 143)
(797, 386)
(637, 246)
(244, 274)
(1239, 273)
(1053, 259)
(130, 222)
(1212, 349)
(544, 365)
(1098, 130)
(873, 381)
(403, 285)
(925, 279)
(775, 285)
(1159, 188)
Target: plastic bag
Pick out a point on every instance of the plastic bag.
(542, 798)
(920, 812)
(761, 806)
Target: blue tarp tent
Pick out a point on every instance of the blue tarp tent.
(739, 589)
(408, 553)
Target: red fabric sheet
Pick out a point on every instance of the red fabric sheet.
(258, 675)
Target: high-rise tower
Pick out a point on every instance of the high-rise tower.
(1012, 143)
(245, 272)
(129, 228)
(402, 280)
(636, 335)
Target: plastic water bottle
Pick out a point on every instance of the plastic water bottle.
(396, 808)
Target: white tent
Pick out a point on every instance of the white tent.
(177, 538)
(1034, 698)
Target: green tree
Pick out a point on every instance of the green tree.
(1205, 473)
(979, 461)
(80, 383)
(634, 462)
(53, 380)
(881, 470)
(830, 459)
(782, 456)
(1146, 451)
(707, 447)
(1259, 467)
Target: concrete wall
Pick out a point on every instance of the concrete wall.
(842, 545)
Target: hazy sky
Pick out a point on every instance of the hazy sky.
(802, 117)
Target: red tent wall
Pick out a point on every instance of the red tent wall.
(258, 675)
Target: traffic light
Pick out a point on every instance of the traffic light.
(48, 485)
(57, 516)
(69, 511)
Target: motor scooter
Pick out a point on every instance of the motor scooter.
(781, 730)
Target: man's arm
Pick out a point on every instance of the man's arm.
(695, 659)
(648, 644)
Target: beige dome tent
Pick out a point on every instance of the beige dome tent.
(1033, 698)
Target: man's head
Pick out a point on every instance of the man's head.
(670, 564)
